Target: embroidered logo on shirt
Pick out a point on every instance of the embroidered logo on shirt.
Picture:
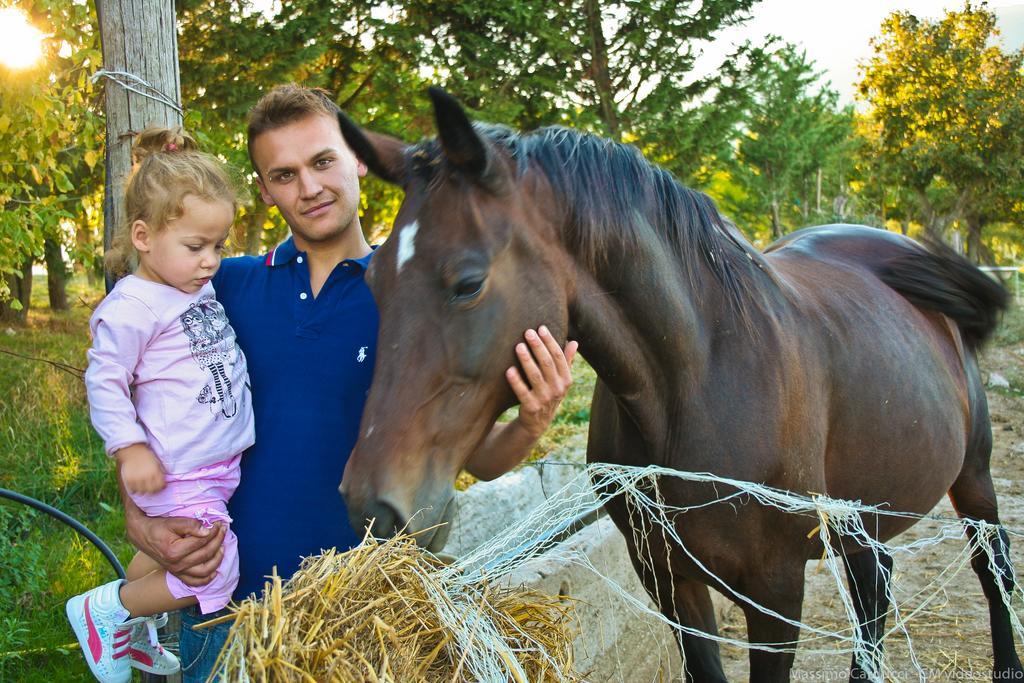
(362, 354)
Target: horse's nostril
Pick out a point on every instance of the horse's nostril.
(381, 518)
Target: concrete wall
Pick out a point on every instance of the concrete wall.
(615, 642)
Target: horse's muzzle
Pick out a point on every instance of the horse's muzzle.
(429, 529)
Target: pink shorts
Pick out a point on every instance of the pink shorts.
(202, 494)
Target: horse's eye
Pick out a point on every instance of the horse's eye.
(467, 289)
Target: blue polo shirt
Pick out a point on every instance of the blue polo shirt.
(310, 363)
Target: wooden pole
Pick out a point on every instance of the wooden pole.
(140, 50)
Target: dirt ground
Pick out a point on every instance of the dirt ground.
(950, 632)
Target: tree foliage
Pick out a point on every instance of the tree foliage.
(357, 50)
(792, 145)
(620, 69)
(942, 139)
(50, 148)
(947, 116)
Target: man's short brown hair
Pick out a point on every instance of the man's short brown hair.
(286, 104)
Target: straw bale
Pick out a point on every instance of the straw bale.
(389, 612)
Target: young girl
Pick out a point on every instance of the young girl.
(168, 392)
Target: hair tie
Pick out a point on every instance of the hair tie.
(171, 147)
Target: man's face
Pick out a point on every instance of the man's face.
(308, 172)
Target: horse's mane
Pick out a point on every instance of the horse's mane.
(612, 195)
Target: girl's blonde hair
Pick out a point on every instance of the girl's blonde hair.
(167, 166)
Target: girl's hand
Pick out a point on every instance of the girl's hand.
(181, 545)
(548, 376)
(141, 470)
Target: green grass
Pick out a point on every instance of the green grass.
(1011, 328)
(49, 451)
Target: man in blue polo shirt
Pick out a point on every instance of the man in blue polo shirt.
(307, 323)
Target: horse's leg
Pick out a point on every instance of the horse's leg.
(684, 601)
(868, 576)
(780, 589)
(693, 608)
(688, 603)
(974, 497)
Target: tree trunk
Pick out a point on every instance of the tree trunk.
(599, 70)
(92, 266)
(139, 38)
(776, 220)
(817, 201)
(975, 226)
(932, 221)
(21, 291)
(254, 229)
(368, 222)
(56, 275)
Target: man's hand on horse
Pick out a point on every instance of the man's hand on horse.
(548, 376)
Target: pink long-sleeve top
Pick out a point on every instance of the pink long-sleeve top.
(165, 370)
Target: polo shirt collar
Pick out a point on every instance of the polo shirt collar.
(364, 262)
(282, 253)
(286, 251)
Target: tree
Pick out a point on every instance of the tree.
(790, 143)
(49, 144)
(362, 54)
(621, 69)
(948, 106)
(878, 189)
(140, 60)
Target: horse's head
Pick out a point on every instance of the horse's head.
(472, 262)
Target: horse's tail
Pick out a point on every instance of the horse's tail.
(940, 279)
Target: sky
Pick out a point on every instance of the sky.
(836, 33)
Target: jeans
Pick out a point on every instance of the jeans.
(199, 648)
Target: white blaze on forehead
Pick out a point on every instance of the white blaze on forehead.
(407, 243)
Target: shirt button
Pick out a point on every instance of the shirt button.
(298, 259)
(344, 265)
(303, 296)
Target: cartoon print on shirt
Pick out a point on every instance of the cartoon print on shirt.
(212, 343)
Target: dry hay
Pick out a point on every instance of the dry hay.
(385, 612)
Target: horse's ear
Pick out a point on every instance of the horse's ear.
(382, 154)
(462, 145)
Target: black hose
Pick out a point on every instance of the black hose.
(71, 522)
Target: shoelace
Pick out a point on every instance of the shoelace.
(124, 632)
(151, 629)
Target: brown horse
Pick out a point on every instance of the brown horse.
(840, 361)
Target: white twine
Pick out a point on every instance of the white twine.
(457, 591)
(128, 81)
(537, 535)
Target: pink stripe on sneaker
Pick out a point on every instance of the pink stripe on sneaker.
(141, 657)
(122, 653)
(95, 642)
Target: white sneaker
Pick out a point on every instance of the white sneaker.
(95, 617)
(145, 652)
